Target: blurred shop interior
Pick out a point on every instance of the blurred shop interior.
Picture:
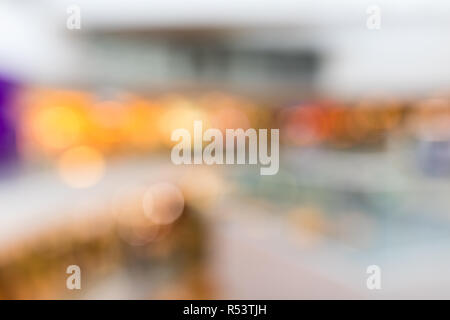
(86, 179)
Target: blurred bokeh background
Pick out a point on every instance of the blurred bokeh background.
(86, 178)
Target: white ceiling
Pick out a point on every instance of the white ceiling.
(411, 51)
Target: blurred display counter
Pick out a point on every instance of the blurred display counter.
(134, 225)
(308, 232)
